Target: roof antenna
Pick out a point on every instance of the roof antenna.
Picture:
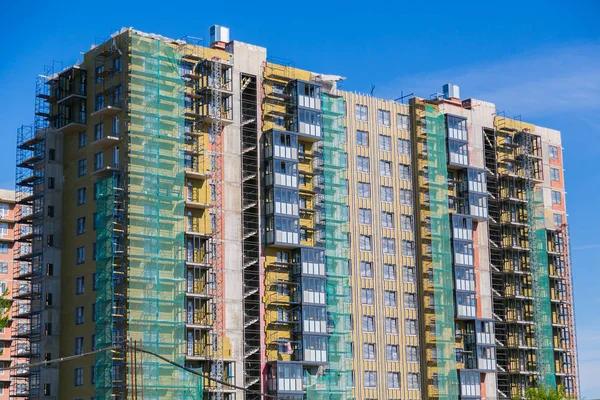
(372, 89)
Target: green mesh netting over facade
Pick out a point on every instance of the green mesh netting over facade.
(336, 381)
(106, 366)
(441, 254)
(156, 263)
(542, 307)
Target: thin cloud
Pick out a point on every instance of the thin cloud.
(587, 247)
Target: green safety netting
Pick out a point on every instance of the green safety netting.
(441, 251)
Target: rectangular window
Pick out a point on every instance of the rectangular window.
(370, 378)
(393, 380)
(366, 269)
(413, 380)
(79, 315)
(367, 296)
(385, 143)
(362, 164)
(556, 198)
(383, 117)
(408, 248)
(558, 220)
(411, 327)
(365, 243)
(369, 351)
(50, 183)
(78, 345)
(81, 167)
(80, 225)
(410, 301)
(368, 323)
(391, 352)
(391, 325)
(98, 131)
(362, 138)
(406, 197)
(4, 209)
(3, 248)
(3, 229)
(385, 168)
(387, 219)
(389, 298)
(403, 122)
(362, 112)
(364, 190)
(554, 174)
(364, 216)
(389, 272)
(387, 194)
(80, 285)
(553, 152)
(98, 161)
(388, 245)
(412, 354)
(406, 222)
(78, 375)
(404, 147)
(80, 255)
(81, 198)
(404, 172)
(81, 139)
(3, 267)
(409, 274)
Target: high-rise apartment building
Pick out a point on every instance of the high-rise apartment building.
(252, 222)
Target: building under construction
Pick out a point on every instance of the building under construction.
(212, 208)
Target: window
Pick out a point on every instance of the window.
(3, 248)
(368, 323)
(51, 154)
(391, 352)
(406, 222)
(410, 301)
(553, 152)
(370, 378)
(391, 325)
(3, 268)
(409, 274)
(79, 316)
(93, 342)
(81, 139)
(369, 351)
(80, 225)
(383, 117)
(413, 380)
(388, 245)
(364, 190)
(554, 174)
(412, 354)
(365, 243)
(387, 194)
(78, 345)
(385, 168)
(558, 220)
(98, 161)
(389, 298)
(94, 281)
(98, 131)
(411, 327)
(362, 138)
(366, 296)
(403, 122)
(556, 198)
(81, 196)
(389, 272)
(406, 197)
(387, 219)
(80, 255)
(78, 377)
(385, 143)
(364, 216)
(404, 147)
(366, 269)
(116, 64)
(92, 373)
(3, 229)
(362, 164)
(99, 71)
(80, 285)
(361, 112)
(4, 209)
(393, 380)
(408, 248)
(81, 167)
(116, 127)
(404, 171)
(50, 183)
(94, 312)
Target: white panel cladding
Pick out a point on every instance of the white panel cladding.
(289, 384)
(315, 326)
(286, 152)
(310, 129)
(286, 208)
(286, 180)
(309, 102)
(313, 268)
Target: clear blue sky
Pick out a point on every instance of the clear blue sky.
(539, 59)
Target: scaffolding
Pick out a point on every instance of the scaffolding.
(155, 211)
(441, 254)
